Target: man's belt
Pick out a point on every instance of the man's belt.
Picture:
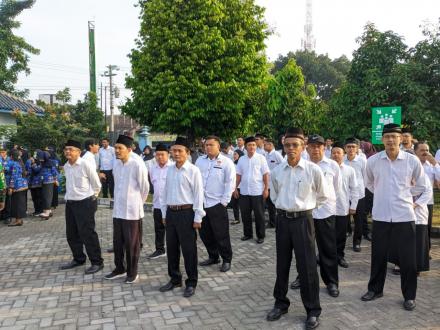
(180, 207)
(293, 215)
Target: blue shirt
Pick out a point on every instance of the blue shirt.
(16, 180)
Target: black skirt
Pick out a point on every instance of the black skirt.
(19, 204)
(47, 195)
(422, 248)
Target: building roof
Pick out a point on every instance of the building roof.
(10, 103)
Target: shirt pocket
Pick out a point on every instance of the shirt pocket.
(256, 172)
(80, 181)
(404, 178)
(304, 189)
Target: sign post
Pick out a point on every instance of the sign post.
(381, 116)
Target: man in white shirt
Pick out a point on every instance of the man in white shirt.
(394, 178)
(91, 147)
(297, 187)
(131, 191)
(259, 140)
(432, 170)
(158, 176)
(218, 173)
(106, 160)
(359, 164)
(253, 179)
(183, 206)
(407, 139)
(226, 150)
(346, 201)
(240, 145)
(82, 188)
(328, 147)
(273, 159)
(324, 215)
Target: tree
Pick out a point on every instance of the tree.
(325, 74)
(14, 50)
(290, 102)
(89, 116)
(196, 65)
(376, 78)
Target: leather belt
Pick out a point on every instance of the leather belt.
(293, 215)
(180, 207)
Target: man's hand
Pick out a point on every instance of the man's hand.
(197, 225)
(2, 206)
(352, 212)
(265, 193)
(10, 191)
(236, 194)
(56, 184)
(164, 222)
(102, 176)
(430, 158)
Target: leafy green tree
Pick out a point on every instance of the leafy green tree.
(325, 74)
(14, 50)
(196, 65)
(89, 116)
(290, 102)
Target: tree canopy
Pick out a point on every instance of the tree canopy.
(196, 65)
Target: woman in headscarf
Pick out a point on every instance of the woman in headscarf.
(49, 178)
(368, 149)
(234, 201)
(56, 163)
(147, 154)
(34, 183)
(17, 187)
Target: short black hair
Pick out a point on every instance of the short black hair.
(88, 143)
(212, 137)
(106, 139)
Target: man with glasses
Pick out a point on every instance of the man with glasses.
(394, 177)
(297, 187)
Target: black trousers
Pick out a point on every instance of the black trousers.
(255, 204)
(360, 218)
(126, 244)
(180, 234)
(215, 233)
(80, 230)
(297, 234)
(401, 236)
(36, 200)
(430, 215)
(326, 242)
(369, 197)
(47, 196)
(235, 204)
(159, 230)
(272, 211)
(108, 184)
(341, 234)
(19, 204)
(55, 197)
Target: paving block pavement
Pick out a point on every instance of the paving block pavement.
(34, 294)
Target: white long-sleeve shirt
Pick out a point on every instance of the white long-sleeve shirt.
(433, 173)
(333, 180)
(158, 177)
(106, 158)
(251, 171)
(273, 158)
(359, 164)
(91, 158)
(392, 183)
(421, 202)
(131, 189)
(218, 176)
(82, 181)
(347, 198)
(299, 188)
(184, 185)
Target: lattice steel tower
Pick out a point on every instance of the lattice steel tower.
(308, 42)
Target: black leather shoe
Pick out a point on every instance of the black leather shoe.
(209, 262)
(368, 237)
(312, 322)
(333, 290)
(260, 240)
(409, 305)
(94, 269)
(189, 291)
(357, 248)
(295, 284)
(246, 238)
(275, 314)
(71, 265)
(396, 270)
(110, 250)
(225, 267)
(371, 295)
(170, 286)
(343, 263)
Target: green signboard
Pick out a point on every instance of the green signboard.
(381, 116)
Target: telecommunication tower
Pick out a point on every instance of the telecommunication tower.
(308, 42)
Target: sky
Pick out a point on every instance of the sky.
(59, 29)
